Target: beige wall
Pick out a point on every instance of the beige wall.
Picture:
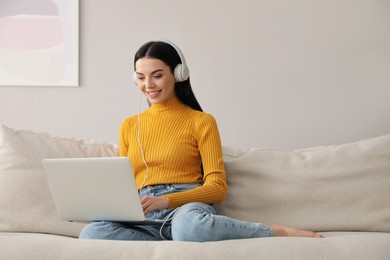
(274, 73)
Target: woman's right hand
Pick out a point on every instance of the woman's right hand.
(150, 204)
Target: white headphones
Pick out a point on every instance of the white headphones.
(181, 71)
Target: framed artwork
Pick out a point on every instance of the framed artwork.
(39, 43)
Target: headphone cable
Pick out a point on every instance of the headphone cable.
(140, 144)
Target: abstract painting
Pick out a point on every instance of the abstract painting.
(39, 42)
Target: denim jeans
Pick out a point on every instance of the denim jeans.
(196, 222)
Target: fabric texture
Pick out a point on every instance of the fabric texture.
(26, 204)
(336, 246)
(335, 188)
(176, 140)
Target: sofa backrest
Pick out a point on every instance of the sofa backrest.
(335, 188)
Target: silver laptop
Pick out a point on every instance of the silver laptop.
(95, 189)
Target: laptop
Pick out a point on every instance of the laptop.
(95, 189)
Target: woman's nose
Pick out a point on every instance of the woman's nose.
(149, 83)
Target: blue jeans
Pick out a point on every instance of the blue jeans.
(197, 222)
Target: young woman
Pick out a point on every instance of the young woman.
(176, 155)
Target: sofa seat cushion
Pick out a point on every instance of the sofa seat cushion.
(334, 188)
(354, 245)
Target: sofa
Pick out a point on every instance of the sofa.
(340, 191)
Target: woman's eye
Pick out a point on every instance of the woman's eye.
(157, 76)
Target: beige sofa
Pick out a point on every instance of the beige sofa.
(340, 191)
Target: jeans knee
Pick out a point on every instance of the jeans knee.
(193, 222)
(96, 230)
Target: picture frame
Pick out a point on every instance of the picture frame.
(39, 43)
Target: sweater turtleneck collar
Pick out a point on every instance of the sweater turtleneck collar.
(170, 104)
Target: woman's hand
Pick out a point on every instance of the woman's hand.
(150, 204)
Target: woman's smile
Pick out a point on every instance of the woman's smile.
(153, 94)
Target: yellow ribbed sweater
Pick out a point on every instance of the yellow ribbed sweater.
(176, 139)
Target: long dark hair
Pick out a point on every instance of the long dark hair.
(168, 54)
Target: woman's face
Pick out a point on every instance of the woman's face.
(155, 79)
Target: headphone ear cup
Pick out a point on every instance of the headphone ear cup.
(181, 73)
(135, 78)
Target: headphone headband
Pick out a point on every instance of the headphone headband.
(183, 72)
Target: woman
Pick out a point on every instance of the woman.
(176, 155)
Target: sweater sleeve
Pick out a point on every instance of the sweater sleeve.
(214, 187)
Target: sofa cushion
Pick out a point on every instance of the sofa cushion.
(335, 188)
(335, 246)
(25, 200)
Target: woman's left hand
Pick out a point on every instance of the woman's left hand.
(150, 204)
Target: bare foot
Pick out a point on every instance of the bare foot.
(283, 230)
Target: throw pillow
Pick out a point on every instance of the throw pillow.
(25, 199)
